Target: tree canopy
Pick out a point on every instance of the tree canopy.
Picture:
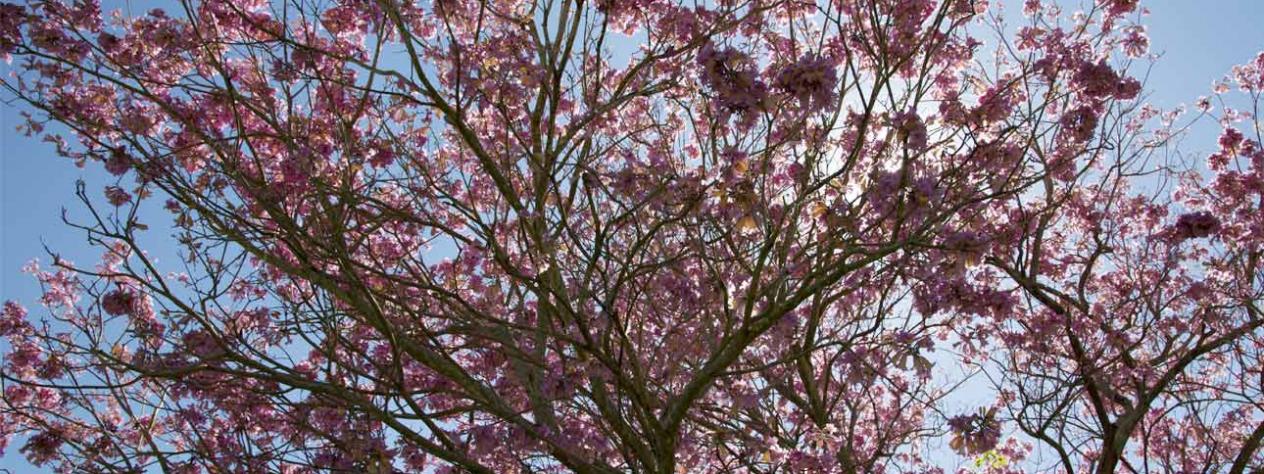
(641, 236)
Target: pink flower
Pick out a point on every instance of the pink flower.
(13, 319)
(118, 162)
(119, 302)
(1032, 7)
(1080, 124)
(1230, 139)
(12, 17)
(1127, 89)
(24, 360)
(976, 433)
(345, 21)
(1195, 225)
(810, 80)
(1119, 7)
(1250, 76)
(910, 129)
(731, 76)
(382, 155)
(1097, 80)
(202, 344)
(42, 447)
(1135, 41)
(108, 42)
(1029, 38)
(117, 196)
(995, 104)
(1203, 104)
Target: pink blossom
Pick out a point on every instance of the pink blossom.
(13, 320)
(24, 360)
(1135, 42)
(118, 162)
(119, 302)
(12, 17)
(810, 80)
(1080, 124)
(117, 196)
(732, 77)
(1250, 76)
(1195, 225)
(1119, 7)
(911, 129)
(975, 433)
(1098, 80)
(42, 447)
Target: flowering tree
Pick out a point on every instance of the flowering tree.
(463, 236)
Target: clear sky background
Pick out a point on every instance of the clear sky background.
(1199, 41)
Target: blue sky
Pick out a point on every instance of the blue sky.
(1199, 40)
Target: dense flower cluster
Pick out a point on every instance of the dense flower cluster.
(975, 433)
(1195, 225)
(733, 79)
(910, 129)
(1099, 80)
(810, 80)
